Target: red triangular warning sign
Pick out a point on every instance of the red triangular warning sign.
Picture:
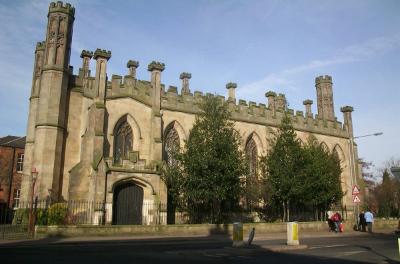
(355, 190)
(356, 199)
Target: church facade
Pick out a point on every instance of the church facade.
(91, 137)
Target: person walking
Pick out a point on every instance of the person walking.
(337, 219)
(361, 222)
(369, 219)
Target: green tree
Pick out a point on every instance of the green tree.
(385, 193)
(321, 183)
(284, 167)
(212, 164)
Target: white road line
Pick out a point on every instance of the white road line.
(349, 253)
(329, 246)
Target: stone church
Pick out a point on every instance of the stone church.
(91, 137)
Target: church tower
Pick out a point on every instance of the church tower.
(323, 84)
(46, 124)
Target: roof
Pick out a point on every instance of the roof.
(13, 141)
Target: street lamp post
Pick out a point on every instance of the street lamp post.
(353, 167)
(34, 174)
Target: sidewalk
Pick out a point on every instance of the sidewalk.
(180, 239)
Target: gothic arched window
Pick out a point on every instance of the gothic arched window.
(252, 156)
(171, 146)
(123, 141)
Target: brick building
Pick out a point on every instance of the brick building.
(11, 166)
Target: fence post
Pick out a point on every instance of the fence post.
(159, 213)
(103, 208)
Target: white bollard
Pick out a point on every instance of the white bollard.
(398, 242)
(293, 234)
(238, 235)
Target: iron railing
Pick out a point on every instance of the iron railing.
(83, 212)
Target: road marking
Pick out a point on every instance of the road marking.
(329, 246)
(349, 253)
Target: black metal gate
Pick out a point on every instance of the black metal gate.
(127, 204)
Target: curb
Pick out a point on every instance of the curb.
(280, 248)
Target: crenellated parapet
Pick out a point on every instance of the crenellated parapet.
(251, 112)
(269, 114)
(128, 87)
(324, 89)
(323, 79)
(61, 8)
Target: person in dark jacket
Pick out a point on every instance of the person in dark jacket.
(361, 222)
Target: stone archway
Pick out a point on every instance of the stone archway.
(127, 204)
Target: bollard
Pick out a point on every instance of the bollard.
(398, 242)
(237, 234)
(293, 234)
(251, 236)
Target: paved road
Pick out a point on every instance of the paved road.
(376, 248)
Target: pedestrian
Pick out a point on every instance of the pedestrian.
(361, 222)
(331, 224)
(369, 219)
(337, 219)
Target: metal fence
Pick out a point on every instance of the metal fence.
(8, 231)
(73, 212)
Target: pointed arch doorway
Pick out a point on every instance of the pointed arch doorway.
(127, 204)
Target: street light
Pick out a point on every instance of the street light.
(34, 174)
(353, 178)
(374, 134)
(353, 166)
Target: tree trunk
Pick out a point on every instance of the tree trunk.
(284, 212)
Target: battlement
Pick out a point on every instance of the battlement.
(60, 7)
(41, 45)
(100, 53)
(323, 79)
(171, 99)
(251, 112)
(155, 65)
(86, 53)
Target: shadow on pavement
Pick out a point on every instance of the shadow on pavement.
(214, 248)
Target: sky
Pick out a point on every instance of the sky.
(261, 45)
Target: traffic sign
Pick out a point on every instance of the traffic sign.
(356, 199)
(356, 190)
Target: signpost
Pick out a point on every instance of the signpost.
(355, 190)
